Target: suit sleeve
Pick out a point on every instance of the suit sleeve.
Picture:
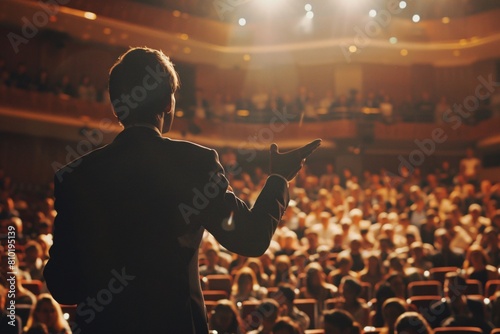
(243, 230)
(62, 274)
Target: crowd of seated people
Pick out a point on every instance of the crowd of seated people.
(305, 105)
(24, 78)
(349, 248)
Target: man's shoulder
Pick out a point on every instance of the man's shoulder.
(188, 145)
(74, 161)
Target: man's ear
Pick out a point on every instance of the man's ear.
(170, 108)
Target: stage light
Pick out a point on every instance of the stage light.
(308, 7)
(242, 21)
(353, 48)
(393, 40)
(415, 18)
(445, 20)
(309, 15)
(372, 13)
(404, 52)
(402, 4)
(89, 16)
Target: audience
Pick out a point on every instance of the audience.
(339, 231)
(225, 318)
(48, 312)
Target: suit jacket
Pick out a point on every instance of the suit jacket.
(130, 218)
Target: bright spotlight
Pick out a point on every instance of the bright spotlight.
(393, 40)
(416, 18)
(372, 13)
(242, 22)
(353, 49)
(402, 4)
(309, 15)
(308, 7)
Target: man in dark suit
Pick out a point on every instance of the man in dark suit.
(131, 214)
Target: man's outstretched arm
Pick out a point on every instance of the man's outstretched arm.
(249, 231)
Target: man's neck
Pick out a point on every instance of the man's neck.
(145, 125)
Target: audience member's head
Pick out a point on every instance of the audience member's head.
(412, 323)
(225, 317)
(391, 310)
(285, 325)
(48, 312)
(338, 322)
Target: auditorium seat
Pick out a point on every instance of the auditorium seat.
(457, 330)
(492, 286)
(34, 286)
(220, 282)
(423, 303)
(309, 307)
(439, 273)
(214, 294)
(474, 287)
(314, 331)
(70, 310)
(425, 288)
(248, 313)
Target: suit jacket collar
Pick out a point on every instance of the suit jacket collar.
(137, 132)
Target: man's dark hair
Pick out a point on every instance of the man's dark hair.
(141, 84)
(339, 319)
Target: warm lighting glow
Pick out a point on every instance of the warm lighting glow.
(176, 13)
(90, 16)
(53, 18)
(242, 21)
(242, 112)
(372, 13)
(416, 18)
(404, 52)
(445, 20)
(187, 50)
(184, 37)
(393, 40)
(246, 57)
(353, 48)
(309, 15)
(463, 41)
(179, 113)
(106, 31)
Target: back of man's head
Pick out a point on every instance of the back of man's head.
(141, 84)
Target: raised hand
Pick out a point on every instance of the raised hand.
(288, 164)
